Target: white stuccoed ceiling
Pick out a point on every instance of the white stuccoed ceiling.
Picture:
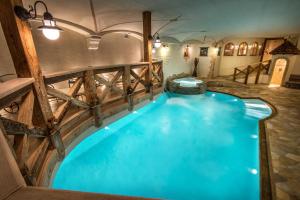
(220, 18)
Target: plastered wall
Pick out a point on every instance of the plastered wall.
(6, 63)
(174, 61)
(296, 68)
(228, 63)
(70, 51)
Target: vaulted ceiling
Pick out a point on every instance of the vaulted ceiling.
(213, 18)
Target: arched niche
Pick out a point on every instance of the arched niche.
(243, 49)
(229, 49)
(254, 49)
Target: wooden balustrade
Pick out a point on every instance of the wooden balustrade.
(91, 92)
(245, 72)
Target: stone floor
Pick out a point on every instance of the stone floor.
(283, 130)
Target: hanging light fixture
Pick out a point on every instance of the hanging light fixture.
(93, 42)
(49, 28)
(153, 50)
(157, 42)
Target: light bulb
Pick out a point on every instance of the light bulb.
(153, 50)
(51, 34)
(157, 44)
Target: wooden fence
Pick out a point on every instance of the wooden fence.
(257, 68)
(87, 92)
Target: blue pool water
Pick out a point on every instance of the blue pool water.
(177, 147)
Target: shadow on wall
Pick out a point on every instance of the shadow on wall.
(6, 63)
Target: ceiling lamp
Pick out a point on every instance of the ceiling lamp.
(93, 42)
(157, 42)
(49, 28)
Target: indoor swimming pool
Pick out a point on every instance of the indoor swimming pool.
(176, 147)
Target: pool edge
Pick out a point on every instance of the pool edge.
(267, 187)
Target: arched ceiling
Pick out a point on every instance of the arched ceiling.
(214, 18)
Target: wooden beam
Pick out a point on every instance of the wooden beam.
(139, 78)
(109, 87)
(62, 109)
(26, 109)
(16, 128)
(147, 41)
(21, 45)
(91, 96)
(126, 80)
(36, 158)
(14, 88)
(107, 83)
(146, 34)
(63, 96)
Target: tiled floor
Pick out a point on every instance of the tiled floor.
(283, 131)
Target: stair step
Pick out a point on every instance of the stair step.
(293, 84)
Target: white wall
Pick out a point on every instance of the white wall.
(228, 63)
(70, 51)
(175, 63)
(6, 63)
(296, 69)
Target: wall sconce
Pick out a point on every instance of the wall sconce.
(49, 28)
(153, 50)
(157, 42)
(186, 53)
(166, 47)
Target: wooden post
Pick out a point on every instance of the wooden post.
(234, 74)
(147, 36)
(20, 43)
(21, 46)
(126, 80)
(91, 96)
(258, 73)
(247, 74)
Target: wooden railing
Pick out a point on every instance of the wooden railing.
(250, 69)
(88, 93)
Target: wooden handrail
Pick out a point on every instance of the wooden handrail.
(265, 65)
(58, 76)
(14, 88)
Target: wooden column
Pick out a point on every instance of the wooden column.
(21, 46)
(147, 36)
(91, 96)
(126, 79)
(258, 73)
(20, 43)
(247, 74)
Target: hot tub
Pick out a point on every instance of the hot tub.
(186, 85)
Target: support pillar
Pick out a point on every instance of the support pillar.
(91, 96)
(22, 49)
(147, 36)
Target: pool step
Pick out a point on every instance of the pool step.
(257, 108)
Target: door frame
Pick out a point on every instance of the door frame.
(285, 71)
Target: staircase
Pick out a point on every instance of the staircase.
(252, 73)
(294, 82)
